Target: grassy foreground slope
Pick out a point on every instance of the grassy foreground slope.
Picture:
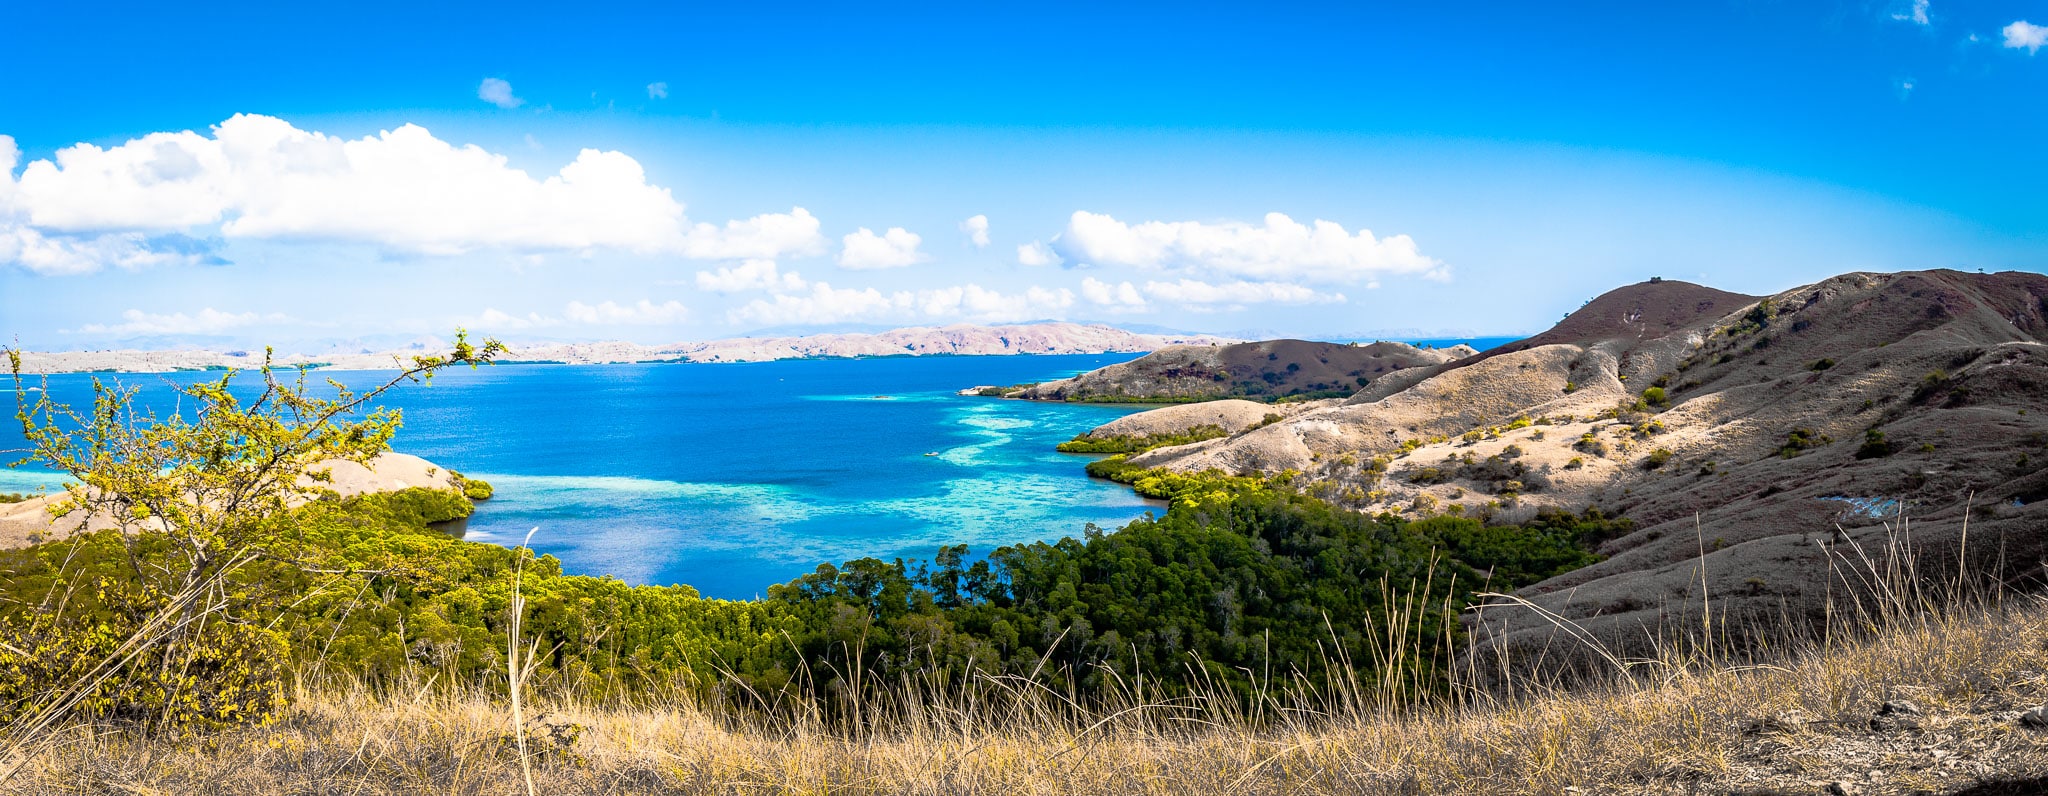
(1685, 725)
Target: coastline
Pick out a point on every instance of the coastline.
(956, 340)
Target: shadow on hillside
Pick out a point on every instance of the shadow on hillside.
(2007, 787)
(2028, 786)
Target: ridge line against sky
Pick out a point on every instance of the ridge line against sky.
(1300, 170)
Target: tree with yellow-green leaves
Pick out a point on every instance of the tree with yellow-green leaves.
(192, 499)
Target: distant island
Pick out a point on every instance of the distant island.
(959, 339)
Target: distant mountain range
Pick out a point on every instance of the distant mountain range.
(1032, 338)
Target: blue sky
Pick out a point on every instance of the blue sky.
(665, 172)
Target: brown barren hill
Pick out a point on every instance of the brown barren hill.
(1261, 371)
(1756, 443)
(1647, 311)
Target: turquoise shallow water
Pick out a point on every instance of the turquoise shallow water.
(733, 477)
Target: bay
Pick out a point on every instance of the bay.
(732, 477)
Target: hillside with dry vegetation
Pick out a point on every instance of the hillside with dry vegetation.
(1743, 429)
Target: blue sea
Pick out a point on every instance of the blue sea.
(732, 477)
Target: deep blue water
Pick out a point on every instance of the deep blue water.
(731, 477)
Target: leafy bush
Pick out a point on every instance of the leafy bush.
(1875, 446)
(1822, 364)
(1800, 440)
(1657, 458)
(1085, 443)
(1654, 396)
(1930, 385)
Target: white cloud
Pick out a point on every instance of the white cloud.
(825, 304)
(641, 313)
(1281, 249)
(749, 275)
(974, 302)
(1198, 293)
(2026, 35)
(657, 91)
(892, 249)
(60, 254)
(976, 229)
(1036, 254)
(404, 189)
(1122, 295)
(498, 92)
(494, 320)
(1916, 15)
(206, 321)
(767, 236)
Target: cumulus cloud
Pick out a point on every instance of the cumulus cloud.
(825, 304)
(498, 92)
(1916, 15)
(749, 275)
(641, 313)
(495, 320)
(1281, 249)
(976, 229)
(1123, 295)
(2024, 35)
(657, 91)
(974, 302)
(767, 236)
(892, 249)
(206, 321)
(1036, 254)
(403, 189)
(1197, 293)
(61, 254)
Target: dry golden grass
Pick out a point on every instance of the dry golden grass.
(1791, 727)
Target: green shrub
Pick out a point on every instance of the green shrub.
(1800, 440)
(1931, 384)
(1085, 443)
(1654, 396)
(1427, 475)
(1657, 458)
(213, 675)
(472, 488)
(1823, 364)
(1875, 446)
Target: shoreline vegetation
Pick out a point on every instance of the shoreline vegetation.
(1254, 638)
